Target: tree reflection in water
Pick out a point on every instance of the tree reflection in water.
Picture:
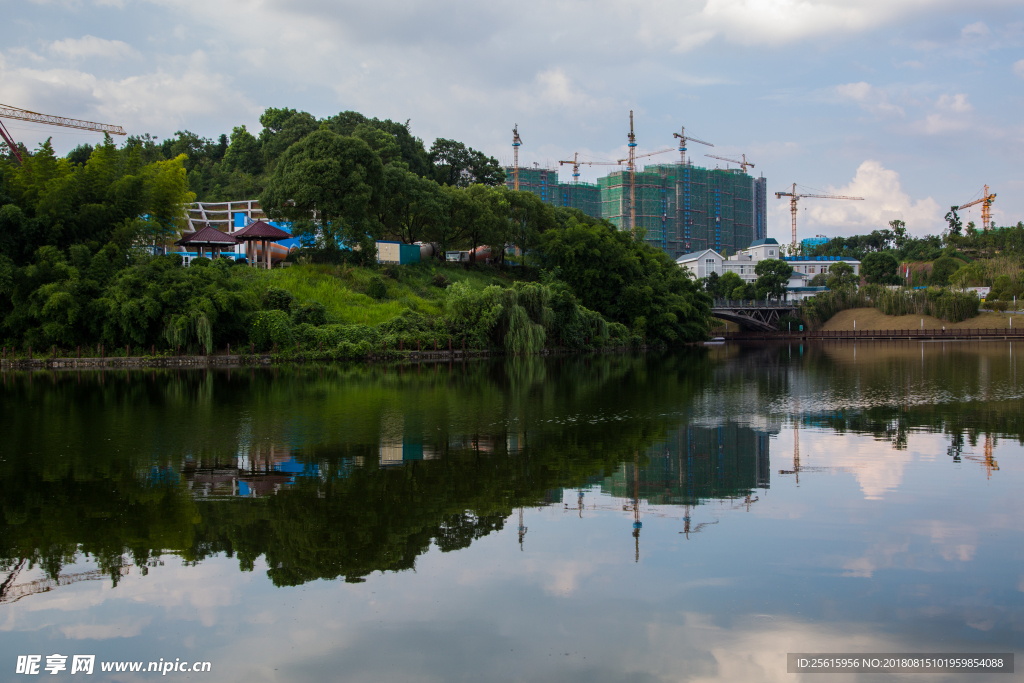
(337, 472)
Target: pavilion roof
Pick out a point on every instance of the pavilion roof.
(208, 235)
(260, 230)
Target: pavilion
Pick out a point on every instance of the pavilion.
(210, 239)
(262, 232)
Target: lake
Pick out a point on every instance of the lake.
(688, 516)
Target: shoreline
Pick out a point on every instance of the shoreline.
(269, 360)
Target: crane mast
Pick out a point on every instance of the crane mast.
(9, 112)
(516, 142)
(632, 176)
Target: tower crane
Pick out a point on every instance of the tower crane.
(516, 142)
(683, 137)
(794, 196)
(576, 163)
(633, 156)
(10, 112)
(985, 200)
(742, 164)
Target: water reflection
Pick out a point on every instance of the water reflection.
(678, 468)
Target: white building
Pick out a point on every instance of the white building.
(743, 263)
(702, 263)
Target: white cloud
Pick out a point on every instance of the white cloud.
(957, 103)
(1018, 68)
(91, 46)
(884, 200)
(160, 100)
(976, 31)
(951, 115)
(870, 98)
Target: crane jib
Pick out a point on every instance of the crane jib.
(35, 117)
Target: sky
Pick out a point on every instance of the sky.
(912, 104)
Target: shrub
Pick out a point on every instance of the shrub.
(942, 269)
(313, 313)
(376, 288)
(276, 299)
(270, 327)
(440, 280)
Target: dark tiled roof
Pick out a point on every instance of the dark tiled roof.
(208, 235)
(763, 241)
(259, 230)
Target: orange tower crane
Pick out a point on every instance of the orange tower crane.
(516, 142)
(985, 200)
(576, 163)
(794, 196)
(742, 164)
(9, 112)
(631, 167)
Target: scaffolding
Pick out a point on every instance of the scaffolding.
(583, 196)
(679, 208)
(541, 181)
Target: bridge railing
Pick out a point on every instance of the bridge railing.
(753, 303)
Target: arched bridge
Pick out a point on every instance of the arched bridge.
(753, 315)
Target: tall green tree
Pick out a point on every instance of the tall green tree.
(244, 153)
(772, 277)
(411, 206)
(841, 276)
(462, 166)
(331, 186)
(880, 268)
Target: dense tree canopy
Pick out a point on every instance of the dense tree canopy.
(626, 280)
(772, 278)
(880, 268)
(331, 186)
(81, 238)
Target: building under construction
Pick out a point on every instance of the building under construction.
(680, 209)
(543, 182)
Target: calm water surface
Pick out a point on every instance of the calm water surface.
(686, 517)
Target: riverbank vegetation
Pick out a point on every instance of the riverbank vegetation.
(941, 302)
(79, 240)
(926, 276)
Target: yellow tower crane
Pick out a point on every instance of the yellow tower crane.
(742, 164)
(683, 137)
(794, 196)
(576, 163)
(9, 112)
(985, 200)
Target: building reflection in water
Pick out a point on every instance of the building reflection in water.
(692, 466)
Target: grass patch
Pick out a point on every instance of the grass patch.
(343, 289)
(874, 319)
